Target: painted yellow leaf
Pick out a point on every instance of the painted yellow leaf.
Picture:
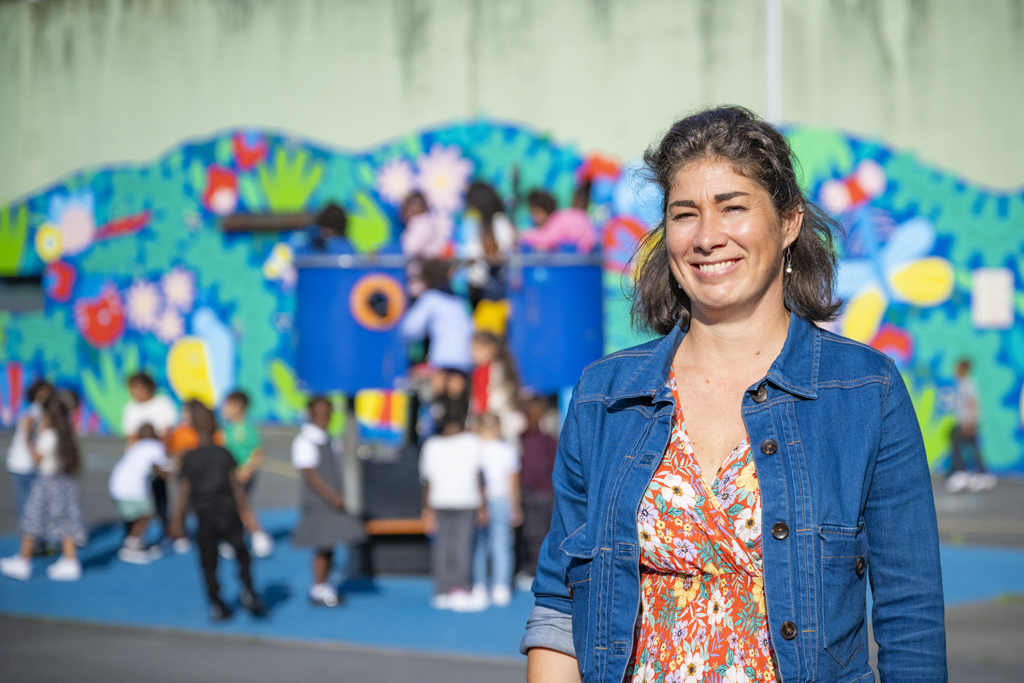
(188, 371)
(864, 314)
(925, 282)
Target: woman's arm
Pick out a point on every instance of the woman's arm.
(549, 666)
(903, 549)
(549, 630)
(178, 523)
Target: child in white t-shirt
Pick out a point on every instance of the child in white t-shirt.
(500, 464)
(130, 488)
(453, 505)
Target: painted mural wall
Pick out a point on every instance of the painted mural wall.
(138, 274)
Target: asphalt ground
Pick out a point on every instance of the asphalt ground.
(985, 641)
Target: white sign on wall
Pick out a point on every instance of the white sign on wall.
(992, 298)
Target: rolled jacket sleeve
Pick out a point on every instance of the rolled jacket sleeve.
(549, 629)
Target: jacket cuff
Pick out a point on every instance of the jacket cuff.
(549, 629)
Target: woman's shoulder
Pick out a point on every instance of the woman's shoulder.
(845, 359)
(617, 370)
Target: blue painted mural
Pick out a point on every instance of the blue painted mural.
(138, 273)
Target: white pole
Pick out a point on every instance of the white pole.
(773, 60)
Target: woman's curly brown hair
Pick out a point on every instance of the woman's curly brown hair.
(757, 150)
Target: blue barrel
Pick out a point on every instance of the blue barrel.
(556, 328)
(347, 314)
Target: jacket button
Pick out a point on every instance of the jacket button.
(769, 446)
(761, 395)
(788, 630)
(780, 531)
(860, 566)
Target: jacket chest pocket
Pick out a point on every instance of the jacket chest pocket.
(843, 599)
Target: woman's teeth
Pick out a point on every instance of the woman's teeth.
(715, 267)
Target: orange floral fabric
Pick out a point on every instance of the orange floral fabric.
(703, 608)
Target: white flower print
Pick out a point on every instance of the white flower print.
(179, 287)
(443, 174)
(648, 537)
(170, 326)
(748, 525)
(395, 180)
(678, 493)
(735, 674)
(143, 301)
(645, 674)
(693, 668)
(716, 608)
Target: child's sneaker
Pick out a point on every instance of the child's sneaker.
(465, 601)
(133, 555)
(226, 551)
(252, 602)
(154, 552)
(957, 482)
(219, 611)
(441, 601)
(16, 567)
(262, 544)
(65, 569)
(501, 596)
(323, 595)
(181, 545)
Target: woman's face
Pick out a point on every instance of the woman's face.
(726, 243)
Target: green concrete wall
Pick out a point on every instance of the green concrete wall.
(99, 81)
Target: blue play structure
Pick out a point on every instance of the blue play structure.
(348, 310)
(349, 307)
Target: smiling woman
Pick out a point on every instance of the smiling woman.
(655, 569)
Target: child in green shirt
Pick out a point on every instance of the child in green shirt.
(243, 441)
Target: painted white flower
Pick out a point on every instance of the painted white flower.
(170, 326)
(716, 608)
(678, 493)
(395, 180)
(735, 674)
(443, 175)
(748, 525)
(179, 287)
(693, 668)
(144, 305)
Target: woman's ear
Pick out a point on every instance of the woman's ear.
(791, 225)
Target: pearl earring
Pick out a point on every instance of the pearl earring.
(789, 261)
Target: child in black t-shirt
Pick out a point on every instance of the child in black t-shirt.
(208, 483)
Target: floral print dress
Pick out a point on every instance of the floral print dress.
(702, 586)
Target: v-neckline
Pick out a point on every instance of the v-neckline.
(688, 452)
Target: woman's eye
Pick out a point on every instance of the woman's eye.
(735, 208)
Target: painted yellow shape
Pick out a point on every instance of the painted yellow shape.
(492, 316)
(49, 243)
(189, 372)
(370, 405)
(864, 314)
(925, 282)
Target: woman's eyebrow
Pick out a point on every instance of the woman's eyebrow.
(726, 196)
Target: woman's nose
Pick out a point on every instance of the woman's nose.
(709, 235)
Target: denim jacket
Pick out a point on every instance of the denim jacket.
(846, 499)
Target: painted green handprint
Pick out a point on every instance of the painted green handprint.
(368, 227)
(935, 426)
(288, 184)
(12, 238)
(108, 393)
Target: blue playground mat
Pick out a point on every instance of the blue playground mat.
(393, 612)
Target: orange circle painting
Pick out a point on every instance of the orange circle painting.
(377, 302)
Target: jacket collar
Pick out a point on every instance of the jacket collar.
(795, 370)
